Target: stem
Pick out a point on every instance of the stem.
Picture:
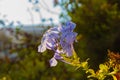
(74, 53)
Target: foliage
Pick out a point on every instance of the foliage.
(98, 30)
(50, 40)
(31, 65)
(107, 70)
(98, 23)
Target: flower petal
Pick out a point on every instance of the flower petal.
(70, 26)
(57, 56)
(53, 62)
(70, 37)
(41, 48)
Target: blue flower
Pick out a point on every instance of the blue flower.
(49, 40)
(67, 38)
(66, 42)
(57, 56)
(60, 40)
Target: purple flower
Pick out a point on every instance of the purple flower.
(49, 40)
(57, 56)
(67, 38)
(66, 42)
(60, 40)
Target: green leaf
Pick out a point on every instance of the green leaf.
(114, 78)
(103, 68)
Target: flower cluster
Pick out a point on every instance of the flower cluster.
(60, 40)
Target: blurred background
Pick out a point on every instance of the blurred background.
(23, 22)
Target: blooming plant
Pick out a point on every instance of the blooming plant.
(60, 40)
